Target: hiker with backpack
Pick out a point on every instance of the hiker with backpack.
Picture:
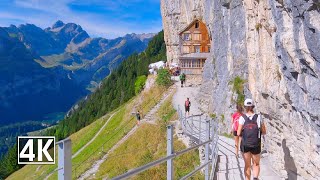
(182, 78)
(187, 105)
(235, 124)
(251, 127)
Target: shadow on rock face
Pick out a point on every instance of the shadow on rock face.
(289, 164)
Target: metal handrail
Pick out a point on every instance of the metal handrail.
(207, 137)
(157, 162)
(200, 135)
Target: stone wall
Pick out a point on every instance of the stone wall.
(275, 46)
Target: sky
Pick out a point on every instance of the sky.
(100, 18)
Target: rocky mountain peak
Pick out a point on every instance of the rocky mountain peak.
(142, 36)
(58, 24)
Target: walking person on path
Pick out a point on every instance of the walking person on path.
(251, 127)
(187, 105)
(235, 124)
(182, 78)
(138, 116)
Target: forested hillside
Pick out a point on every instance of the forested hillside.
(116, 89)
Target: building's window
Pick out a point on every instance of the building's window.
(186, 49)
(196, 25)
(192, 63)
(185, 63)
(186, 36)
(197, 37)
(197, 49)
(182, 63)
(195, 63)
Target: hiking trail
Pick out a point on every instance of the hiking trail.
(230, 167)
(95, 136)
(87, 144)
(148, 118)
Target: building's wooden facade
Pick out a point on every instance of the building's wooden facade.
(194, 47)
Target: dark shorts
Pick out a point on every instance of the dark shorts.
(187, 108)
(254, 150)
(235, 133)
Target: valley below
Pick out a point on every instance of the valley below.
(44, 72)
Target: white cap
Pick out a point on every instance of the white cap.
(248, 102)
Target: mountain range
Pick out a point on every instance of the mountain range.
(44, 71)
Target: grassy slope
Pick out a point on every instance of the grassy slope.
(78, 139)
(117, 127)
(147, 144)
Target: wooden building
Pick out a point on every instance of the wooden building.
(194, 47)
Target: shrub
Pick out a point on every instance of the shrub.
(258, 26)
(163, 78)
(213, 116)
(238, 86)
(139, 83)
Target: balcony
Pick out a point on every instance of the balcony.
(194, 56)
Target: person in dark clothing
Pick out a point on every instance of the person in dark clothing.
(182, 78)
(138, 117)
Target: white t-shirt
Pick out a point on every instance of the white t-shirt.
(259, 119)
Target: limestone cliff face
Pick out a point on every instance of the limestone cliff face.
(275, 46)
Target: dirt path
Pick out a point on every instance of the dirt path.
(148, 118)
(97, 134)
(190, 91)
(230, 167)
(87, 144)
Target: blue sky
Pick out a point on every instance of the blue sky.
(100, 18)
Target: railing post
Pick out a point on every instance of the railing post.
(180, 118)
(191, 126)
(64, 159)
(169, 152)
(207, 150)
(200, 131)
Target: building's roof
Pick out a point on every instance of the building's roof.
(195, 56)
(189, 26)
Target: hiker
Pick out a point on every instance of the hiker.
(187, 105)
(235, 124)
(182, 78)
(138, 117)
(251, 127)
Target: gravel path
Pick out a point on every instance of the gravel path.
(190, 91)
(230, 167)
(148, 118)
